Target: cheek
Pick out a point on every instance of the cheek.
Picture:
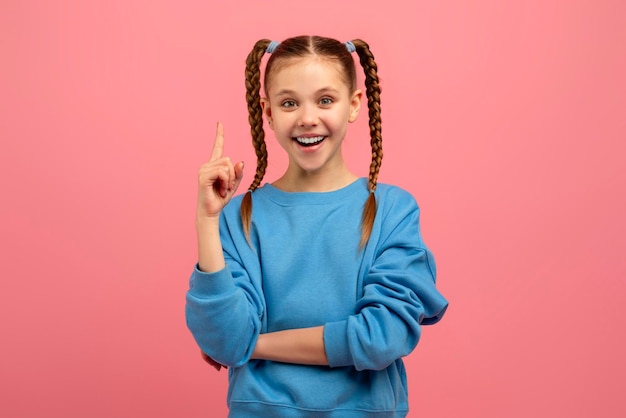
(341, 120)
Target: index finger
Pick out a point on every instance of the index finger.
(218, 145)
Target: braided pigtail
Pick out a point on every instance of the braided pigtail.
(372, 90)
(255, 118)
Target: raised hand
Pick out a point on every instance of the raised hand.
(218, 179)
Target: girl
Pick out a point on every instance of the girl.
(312, 288)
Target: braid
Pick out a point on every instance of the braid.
(255, 118)
(372, 90)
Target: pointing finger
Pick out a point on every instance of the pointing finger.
(218, 145)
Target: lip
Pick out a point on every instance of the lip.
(308, 135)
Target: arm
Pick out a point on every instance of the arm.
(210, 259)
(399, 293)
(222, 309)
(301, 346)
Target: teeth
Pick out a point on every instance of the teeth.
(310, 141)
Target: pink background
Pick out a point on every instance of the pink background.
(505, 119)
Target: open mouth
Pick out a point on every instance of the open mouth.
(309, 141)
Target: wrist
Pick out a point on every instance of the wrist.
(210, 255)
(203, 222)
(257, 353)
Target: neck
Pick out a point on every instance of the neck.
(297, 180)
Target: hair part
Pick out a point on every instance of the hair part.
(299, 47)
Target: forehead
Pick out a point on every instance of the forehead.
(306, 72)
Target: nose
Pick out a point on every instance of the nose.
(308, 115)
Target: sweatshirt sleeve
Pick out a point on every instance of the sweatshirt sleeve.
(399, 295)
(224, 309)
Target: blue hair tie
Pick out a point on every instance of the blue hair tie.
(350, 47)
(272, 47)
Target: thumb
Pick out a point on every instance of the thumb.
(238, 174)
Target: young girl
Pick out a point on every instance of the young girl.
(312, 288)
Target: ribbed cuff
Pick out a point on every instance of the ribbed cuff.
(212, 284)
(336, 344)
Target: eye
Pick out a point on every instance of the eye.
(288, 103)
(325, 101)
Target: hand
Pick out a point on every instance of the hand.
(212, 362)
(218, 179)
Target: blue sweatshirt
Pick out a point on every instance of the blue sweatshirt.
(304, 269)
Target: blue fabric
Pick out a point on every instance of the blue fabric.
(305, 269)
(350, 47)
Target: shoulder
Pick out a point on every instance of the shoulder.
(390, 197)
(397, 221)
(396, 210)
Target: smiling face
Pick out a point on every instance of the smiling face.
(309, 104)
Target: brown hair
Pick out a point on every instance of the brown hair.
(302, 46)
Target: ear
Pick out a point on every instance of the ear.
(355, 105)
(267, 111)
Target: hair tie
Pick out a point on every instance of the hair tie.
(350, 47)
(272, 47)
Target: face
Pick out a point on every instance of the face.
(309, 106)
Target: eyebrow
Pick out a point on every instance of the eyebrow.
(287, 92)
